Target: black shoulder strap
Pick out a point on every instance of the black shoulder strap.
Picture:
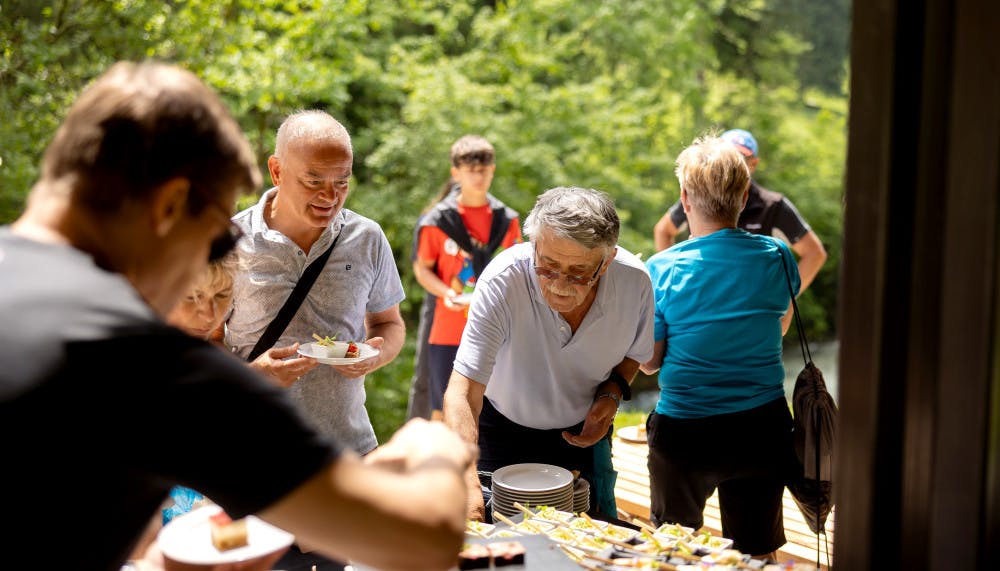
(800, 329)
(291, 306)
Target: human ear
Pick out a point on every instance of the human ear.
(169, 204)
(274, 168)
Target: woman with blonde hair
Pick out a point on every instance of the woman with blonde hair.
(721, 420)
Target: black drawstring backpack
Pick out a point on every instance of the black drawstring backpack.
(814, 415)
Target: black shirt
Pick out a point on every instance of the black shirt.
(765, 212)
(104, 407)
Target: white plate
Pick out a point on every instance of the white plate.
(563, 493)
(319, 353)
(713, 544)
(188, 539)
(462, 299)
(631, 434)
(532, 477)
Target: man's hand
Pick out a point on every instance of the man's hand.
(276, 364)
(595, 426)
(362, 368)
(476, 509)
(450, 303)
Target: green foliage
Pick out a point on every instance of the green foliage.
(629, 418)
(571, 92)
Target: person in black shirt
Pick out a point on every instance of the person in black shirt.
(104, 406)
(766, 212)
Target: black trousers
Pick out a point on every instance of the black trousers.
(503, 442)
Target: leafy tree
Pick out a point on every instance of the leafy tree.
(571, 92)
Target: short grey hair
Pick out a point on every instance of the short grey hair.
(584, 215)
(311, 126)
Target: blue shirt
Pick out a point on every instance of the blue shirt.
(719, 301)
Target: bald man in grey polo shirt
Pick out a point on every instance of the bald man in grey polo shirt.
(355, 297)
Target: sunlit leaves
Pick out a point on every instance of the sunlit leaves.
(571, 92)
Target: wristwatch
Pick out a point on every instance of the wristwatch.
(623, 385)
(610, 395)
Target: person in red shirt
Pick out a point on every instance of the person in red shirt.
(456, 238)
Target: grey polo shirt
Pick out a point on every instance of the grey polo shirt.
(359, 278)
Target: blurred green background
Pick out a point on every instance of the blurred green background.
(594, 93)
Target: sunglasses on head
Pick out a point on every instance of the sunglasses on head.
(224, 243)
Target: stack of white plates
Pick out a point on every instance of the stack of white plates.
(581, 495)
(532, 485)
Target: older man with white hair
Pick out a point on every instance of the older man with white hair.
(556, 331)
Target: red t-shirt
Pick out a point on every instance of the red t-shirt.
(454, 265)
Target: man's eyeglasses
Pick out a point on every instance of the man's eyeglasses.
(224, 243)
(571, 279)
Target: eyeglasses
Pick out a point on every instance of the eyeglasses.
(224, 243)
(571, 279)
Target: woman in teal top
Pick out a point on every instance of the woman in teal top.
(722, 306)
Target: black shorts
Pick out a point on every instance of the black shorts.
(746, 455)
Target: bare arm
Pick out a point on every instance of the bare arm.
(463, 401)
(390, 327)
(423, 270)
(812, 255)
(664, 232)
(394, 516)
(786, 319)
(387, 332)
(602, 411)
(656, 361)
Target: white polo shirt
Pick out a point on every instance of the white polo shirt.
(537, 372)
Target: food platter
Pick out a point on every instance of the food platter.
(541, 554)
(321, 354)
(188, 539)
(631, 434)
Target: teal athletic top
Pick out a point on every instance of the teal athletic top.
(719, 301)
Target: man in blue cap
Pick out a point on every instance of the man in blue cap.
(766, 212)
